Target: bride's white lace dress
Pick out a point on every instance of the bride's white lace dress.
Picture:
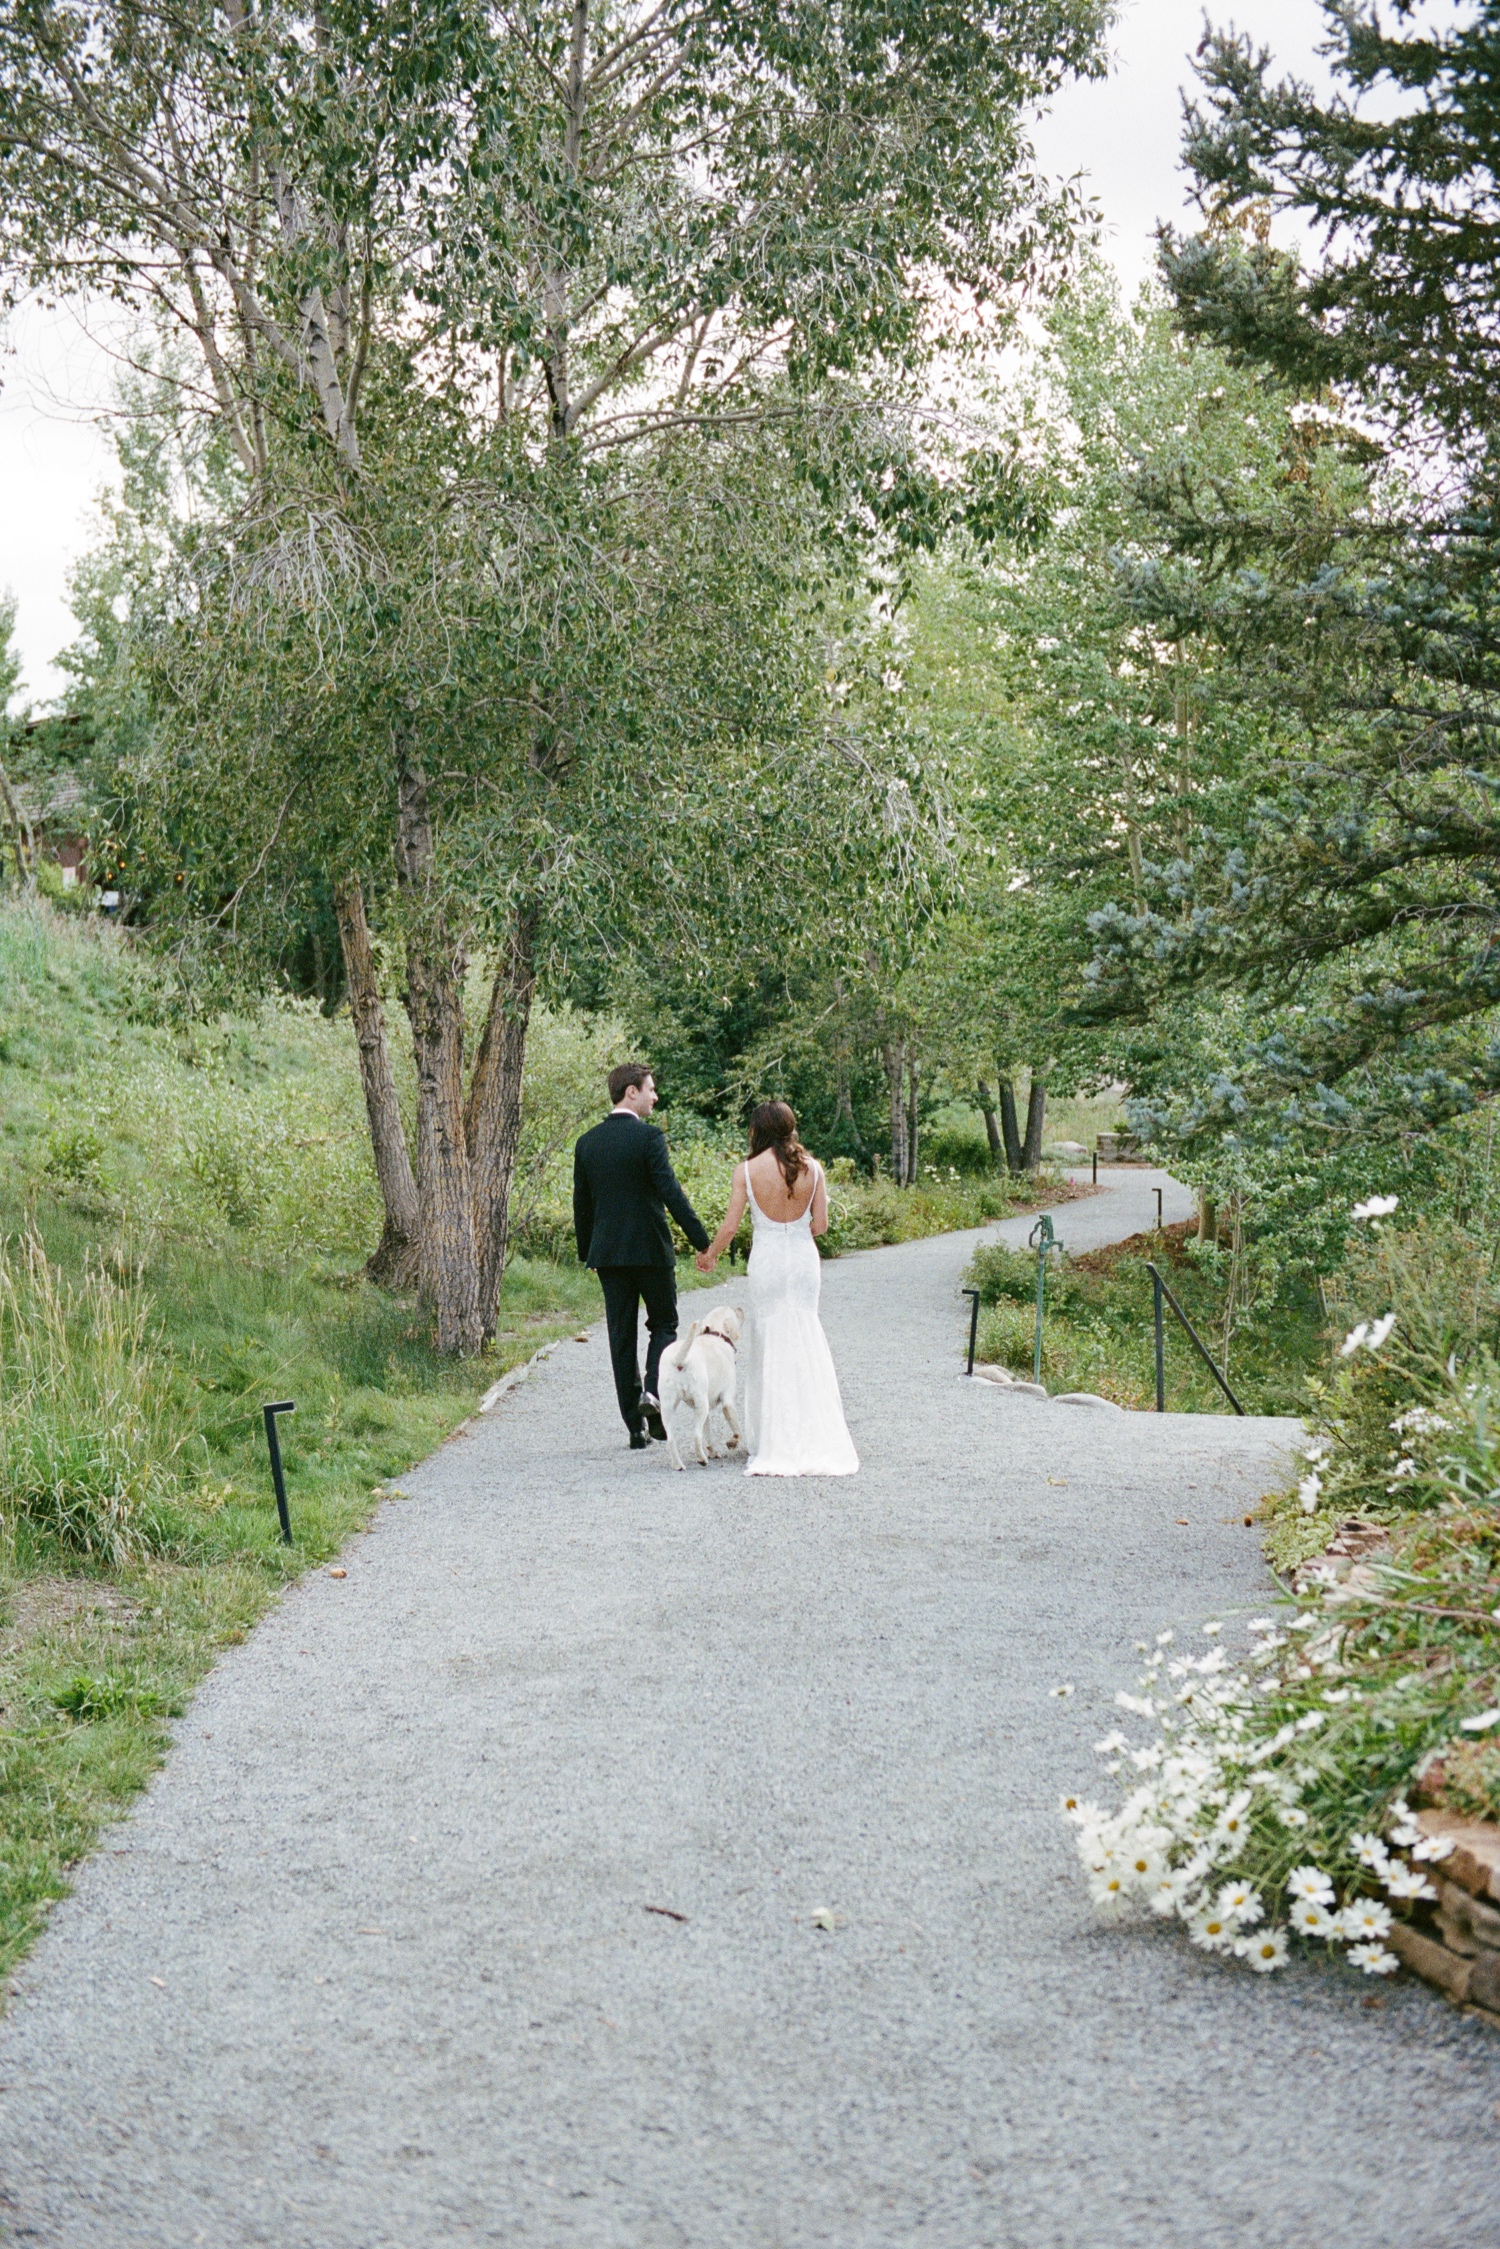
(794, 1416)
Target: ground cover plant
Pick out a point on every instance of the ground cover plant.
(1098, 1331)
(1273, 1799)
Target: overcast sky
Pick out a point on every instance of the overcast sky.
(1124, 134)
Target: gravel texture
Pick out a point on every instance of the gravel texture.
(371, 1964)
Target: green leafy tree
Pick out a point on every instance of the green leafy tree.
(1350, 887)
(475, 293)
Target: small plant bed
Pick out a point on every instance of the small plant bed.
(1337, 1785)
(1098, 1331)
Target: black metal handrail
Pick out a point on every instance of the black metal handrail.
(1161, 1290)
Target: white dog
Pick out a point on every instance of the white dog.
(698, 1371)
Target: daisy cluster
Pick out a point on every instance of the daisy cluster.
(1213, 1778)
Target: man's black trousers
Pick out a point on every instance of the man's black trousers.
(625, 1288)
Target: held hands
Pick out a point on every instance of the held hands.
(706, 1260)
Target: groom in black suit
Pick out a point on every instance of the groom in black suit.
(623, 1187)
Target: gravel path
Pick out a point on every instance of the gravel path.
(370, 1965)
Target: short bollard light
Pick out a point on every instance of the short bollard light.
(273, 1444)
(972, 1293)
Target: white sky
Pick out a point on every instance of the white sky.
(55, 381)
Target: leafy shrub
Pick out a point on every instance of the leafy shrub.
(1405, 1419)
(73, 1154)
(230, 1162)
(84, 1453)
(948, 1148)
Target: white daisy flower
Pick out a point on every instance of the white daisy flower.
(1371, 1852)
(1408, 1882)
(1313, 1919)
(1364, 1919)
(1264, 1951)
(1211, 1931)
(1110, 1889)
(1211, 1628)
(1240, 1903)
(1432, 1847)
(1231, 1823)
(1378, 1206)
(1061, 1690)
(1374, 1959)
(1110, 1744)
(1292, 1815)
(1310, 1882)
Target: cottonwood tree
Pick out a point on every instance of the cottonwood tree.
(461, 281)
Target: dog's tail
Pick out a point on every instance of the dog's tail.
(677, 1352)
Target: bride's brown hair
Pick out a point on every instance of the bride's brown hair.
(774, 1126)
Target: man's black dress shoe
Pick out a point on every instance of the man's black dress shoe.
(654, 1423)
(639, 1441)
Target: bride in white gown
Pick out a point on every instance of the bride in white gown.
(794, 1416)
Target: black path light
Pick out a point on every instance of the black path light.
(273, 1442)
(973, 1326)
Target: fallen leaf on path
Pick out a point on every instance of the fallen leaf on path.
(370, 1932)
(159, 1982)
(582, 1338)
(823, 1917)
(338, 1573)
(1057, 1480)
(1182, 1519)
(667, 1912)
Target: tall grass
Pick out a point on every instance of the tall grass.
(86, 1455)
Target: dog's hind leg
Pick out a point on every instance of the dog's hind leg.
(735, 1439)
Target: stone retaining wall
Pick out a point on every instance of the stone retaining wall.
(1455, 1942)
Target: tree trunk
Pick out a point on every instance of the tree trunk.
(1208, 1219)
(1013, 1162)
(492, 1120)
(894, 1058)
(991, 1124)
(447, 1264)
(395, 1261)
(1036, 1117)
(912, 1126)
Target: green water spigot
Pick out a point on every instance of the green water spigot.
(1041, 1239)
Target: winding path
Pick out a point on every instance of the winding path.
(371, 1964)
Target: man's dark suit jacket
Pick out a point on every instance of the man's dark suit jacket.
(623, 1187)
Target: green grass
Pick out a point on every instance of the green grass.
(215, 1176)
(1098, 1332)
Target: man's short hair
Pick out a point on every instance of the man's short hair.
(623, 1076)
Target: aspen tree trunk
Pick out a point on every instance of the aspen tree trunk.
(448, 1264)
(991, 1124)
(1036, 1117)
(912, 1127)
(893, 1055)
(492, 1119)
(1009, 1126)
(395, 1260)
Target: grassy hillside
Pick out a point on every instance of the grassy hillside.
(185, 1208)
